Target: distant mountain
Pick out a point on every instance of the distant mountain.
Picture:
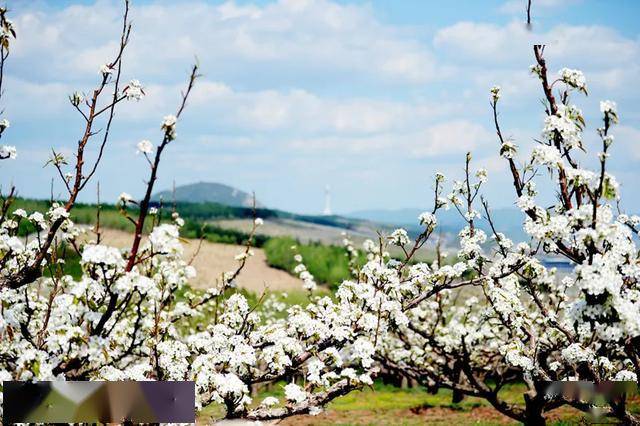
(507, 220)
(208, 192)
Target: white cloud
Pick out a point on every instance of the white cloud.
(452, 137)
(501, 54)
(30, 99)
(295, 91)
(455, 137)
(300, 110)
(293, 110)
(628, 139)
(590, 45)
(484, 41)
(312, 34)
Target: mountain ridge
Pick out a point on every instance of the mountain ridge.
(208, 192)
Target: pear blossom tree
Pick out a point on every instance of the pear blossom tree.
(514, 320)
(131, 317)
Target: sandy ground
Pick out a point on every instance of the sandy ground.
(311, 232)
(444, 416)
(214, 259)
(302, 231)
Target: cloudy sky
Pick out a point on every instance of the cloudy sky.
(370, 97)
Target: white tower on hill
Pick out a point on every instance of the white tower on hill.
(327, 201)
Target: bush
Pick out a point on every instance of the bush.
(329, 264)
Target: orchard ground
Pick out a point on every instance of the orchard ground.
(390, 405)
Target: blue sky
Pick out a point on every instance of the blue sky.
(371, 98)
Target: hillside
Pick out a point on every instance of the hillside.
(209, 212)
(208, 192)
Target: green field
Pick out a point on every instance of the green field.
(384, 404)
(328, 264)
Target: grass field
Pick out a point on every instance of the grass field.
(328, 264)
(389, 405)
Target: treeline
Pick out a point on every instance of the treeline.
(210, 211)
(216, 234)
(195, 213)
(111, 218)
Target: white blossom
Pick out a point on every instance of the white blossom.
(399, 237)
(125, 198)
(294, 393)
(428, 219)
(574, 78)
(610, 110)
(495, 93)
(8, 151)
(145, 147)
(133, 91)
(106, 70)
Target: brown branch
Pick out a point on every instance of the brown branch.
(124, 40)
(144, 205)
(517, 179)
(317, 399)
(32, 271)
(538, 50)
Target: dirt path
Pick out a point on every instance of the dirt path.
(214, 259)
